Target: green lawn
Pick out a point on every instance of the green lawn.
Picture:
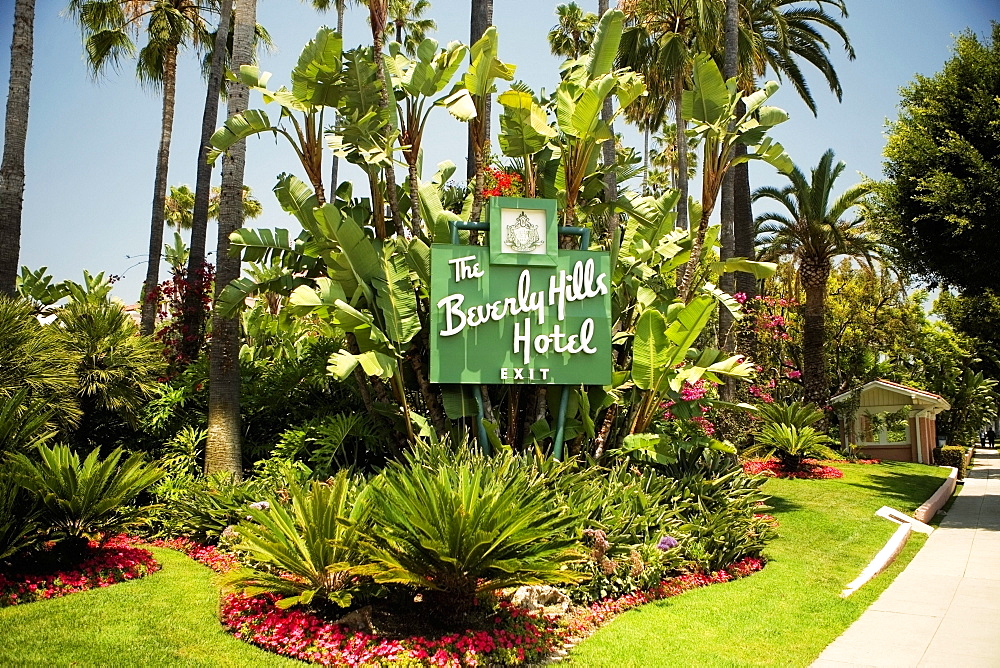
(786, 614)
(165, 619)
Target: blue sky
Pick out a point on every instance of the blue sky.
(92, 143)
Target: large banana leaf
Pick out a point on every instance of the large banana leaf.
(237, 127)
(316, 78)
(485, 68)
(604, 47)
(373, 363)
(395, 295)
(686, 324)
(434, 213)
(709, 102)
(357, 251)
(651, 350)
(524, 127)
(298, 199)
(431, 72)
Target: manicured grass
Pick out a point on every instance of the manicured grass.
(786, 614)
(165, 619)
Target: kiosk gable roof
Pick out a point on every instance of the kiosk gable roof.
(916, 396)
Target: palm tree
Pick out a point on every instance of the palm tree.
(222, 447)
(405, 24)
(572, 35)
(15, 135)
(814, 229)
(110, 28)
(193, 313)
(779, 35)
(179, 209)
(659, 42)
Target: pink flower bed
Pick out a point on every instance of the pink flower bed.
(517, 637)
(812, 470)
(115, 561)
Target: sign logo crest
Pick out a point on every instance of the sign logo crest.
(522, 236)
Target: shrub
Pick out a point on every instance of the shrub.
(78, 502)
(952, 455)
(793, 445)
(35, 358)
(455, 527)
(203, 508)
(314, 538)
(719, 509)
(117, 370)
(18, 514)
(24, 422)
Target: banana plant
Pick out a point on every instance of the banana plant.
(316, 85)
(469, 101)
(524, 131)
(663, 357)
(711, 109)
(579, 129)
(366, 131)
(38, 286)
(419, 80)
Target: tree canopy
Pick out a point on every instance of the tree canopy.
(943, 167)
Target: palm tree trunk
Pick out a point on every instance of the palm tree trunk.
(743, 230)
(15, 136)
(727, 205)
(222, 449)
(148, 321)
(814, 276)
(481, 18)
(377, 10)
(194, 313)
(335, 165)
(682, 156)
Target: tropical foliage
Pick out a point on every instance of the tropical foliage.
(941, 166)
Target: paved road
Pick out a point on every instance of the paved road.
(944, 608)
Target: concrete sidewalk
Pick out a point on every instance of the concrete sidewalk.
(943, 609)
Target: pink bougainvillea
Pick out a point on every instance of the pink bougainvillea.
(115, 561)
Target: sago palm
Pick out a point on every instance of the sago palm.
(315, 538)
(82, 501)
(456, 530)
(793, 445)
(814, 228)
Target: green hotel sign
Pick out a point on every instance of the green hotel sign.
(520, 310)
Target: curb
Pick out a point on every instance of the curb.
(938, 498)
(882, 560)
(898, 539)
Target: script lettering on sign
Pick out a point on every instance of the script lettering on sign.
(517, 324)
